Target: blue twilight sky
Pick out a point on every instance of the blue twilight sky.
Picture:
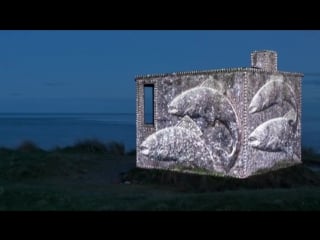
(93, 71)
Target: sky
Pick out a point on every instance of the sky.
(93, 71)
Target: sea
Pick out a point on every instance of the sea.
(310, 123)
(49, 130)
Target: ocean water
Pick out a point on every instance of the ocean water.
(52, 130)
(311, 111)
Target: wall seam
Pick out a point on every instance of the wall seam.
(245, 123)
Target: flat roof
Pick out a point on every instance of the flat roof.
(223, 70)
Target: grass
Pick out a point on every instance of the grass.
(291, 177)
(152, 198)
(91, 175)
(28, 161)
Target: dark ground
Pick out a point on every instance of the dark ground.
(73, 179)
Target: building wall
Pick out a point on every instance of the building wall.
(288, 149)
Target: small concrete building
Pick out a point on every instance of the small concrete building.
(230, 122)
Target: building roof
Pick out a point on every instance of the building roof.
(223, 70)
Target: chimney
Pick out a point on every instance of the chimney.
(264, 59)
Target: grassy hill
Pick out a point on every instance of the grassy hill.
(95, 176)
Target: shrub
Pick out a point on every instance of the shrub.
(28, 146)
(90, 145)
(96, 146)
(115, 148)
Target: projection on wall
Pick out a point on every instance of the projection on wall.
(229, 122)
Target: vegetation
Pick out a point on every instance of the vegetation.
(28, 161)
(28, 146)
(96, 146)
(291, 177)
(310, 155)
(91, 175)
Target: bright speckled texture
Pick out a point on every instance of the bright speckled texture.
(232, 122)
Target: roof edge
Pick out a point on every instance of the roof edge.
(239, 69)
